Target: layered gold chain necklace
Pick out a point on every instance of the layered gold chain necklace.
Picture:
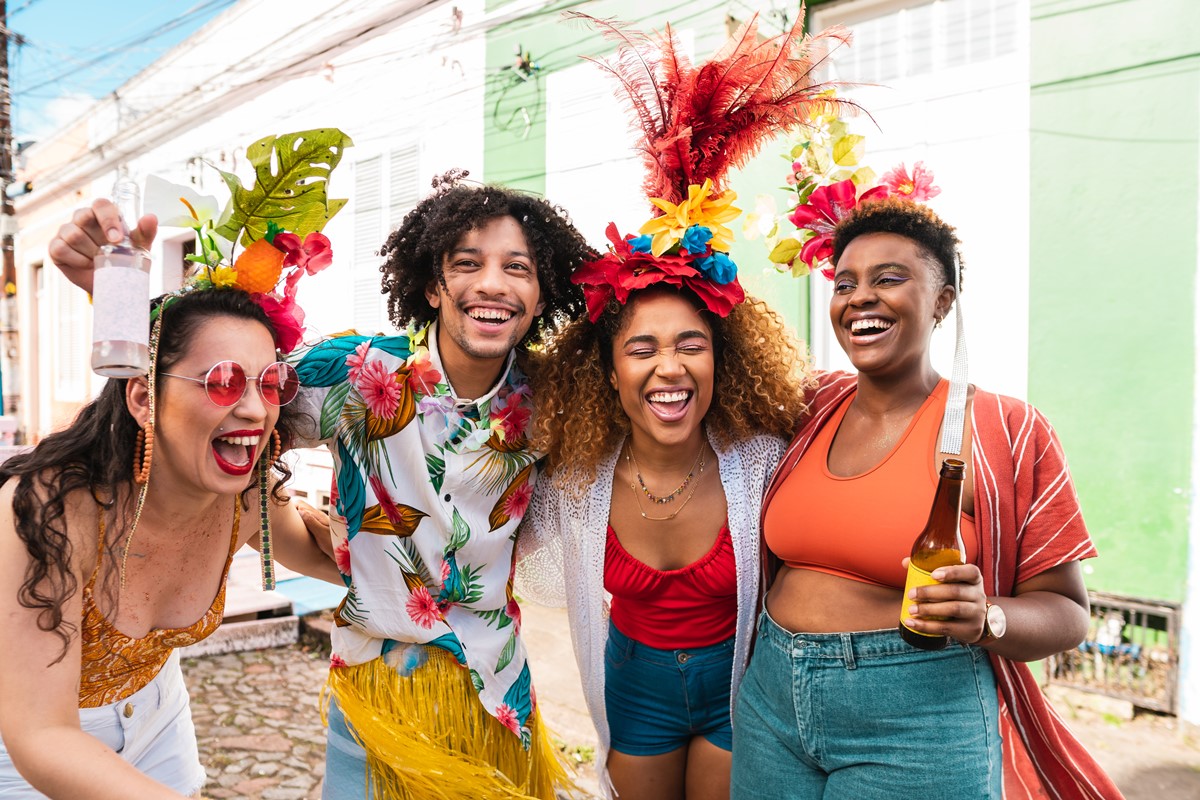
(695, 472)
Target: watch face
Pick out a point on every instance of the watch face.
(996, 621)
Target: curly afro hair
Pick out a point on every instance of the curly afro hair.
(413, 252)
(908, 219)
(760, 382)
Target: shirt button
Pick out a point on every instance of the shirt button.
(128, 710)
(447, 498)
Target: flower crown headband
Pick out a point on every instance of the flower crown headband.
(696, 122)
(828, 183)
(277, 221)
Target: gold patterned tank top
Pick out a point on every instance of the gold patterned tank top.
(114, 665)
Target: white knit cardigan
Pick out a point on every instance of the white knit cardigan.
(560, 552)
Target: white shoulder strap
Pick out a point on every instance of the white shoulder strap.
(955, 419)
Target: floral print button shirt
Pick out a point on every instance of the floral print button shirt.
(428, 492)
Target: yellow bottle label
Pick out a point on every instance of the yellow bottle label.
(916, 577)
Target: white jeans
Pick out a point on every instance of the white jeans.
(151, 729)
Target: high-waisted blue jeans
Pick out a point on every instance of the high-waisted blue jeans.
(864, 716)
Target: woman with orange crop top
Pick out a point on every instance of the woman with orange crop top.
(835, 704)
(94, 704)
(662, 415)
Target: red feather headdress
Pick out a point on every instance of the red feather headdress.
(695, 124)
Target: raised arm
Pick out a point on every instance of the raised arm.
(75, 245)
(39, 692)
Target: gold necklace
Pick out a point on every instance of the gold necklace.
(666, 498)
(637, 497)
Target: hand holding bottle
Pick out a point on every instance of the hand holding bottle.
(958, 599)
(73, 249)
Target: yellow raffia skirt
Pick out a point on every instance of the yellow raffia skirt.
(428, 736)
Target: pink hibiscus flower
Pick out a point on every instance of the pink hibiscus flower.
(518, 501)
(335, 661)
(508, 718)
(917, 187)
(826, 207)
(341, 555)
(422, 609)
(422, 377)
(356, 360)
(380, 389)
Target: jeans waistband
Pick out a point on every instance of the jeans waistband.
(847, 647)
(660, 656)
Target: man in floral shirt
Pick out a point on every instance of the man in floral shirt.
(429, 691)
(433, 473)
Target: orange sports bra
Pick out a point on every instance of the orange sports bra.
(860, 527)
(114, 666)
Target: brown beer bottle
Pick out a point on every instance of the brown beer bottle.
(939, 545)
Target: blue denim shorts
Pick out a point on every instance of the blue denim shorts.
(657, 700)
(865, 716)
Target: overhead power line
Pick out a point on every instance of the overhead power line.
(124, 47)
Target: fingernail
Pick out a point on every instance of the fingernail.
(937, 574)
(114, 235)
(913, 611)
(912, 594)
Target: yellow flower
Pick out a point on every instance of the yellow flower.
(223, 277)
(698, 209)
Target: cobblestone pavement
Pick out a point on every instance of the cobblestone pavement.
(257, 722)
(261, 736)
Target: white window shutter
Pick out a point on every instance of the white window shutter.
(368, 238)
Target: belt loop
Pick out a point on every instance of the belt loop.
(848, 651)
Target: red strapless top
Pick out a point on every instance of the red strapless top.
(695, 606)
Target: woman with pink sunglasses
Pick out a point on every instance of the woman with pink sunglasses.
(104, 572)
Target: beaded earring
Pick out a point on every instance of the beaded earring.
(264, 510)
(143, 454)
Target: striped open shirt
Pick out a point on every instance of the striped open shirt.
(1028, 518)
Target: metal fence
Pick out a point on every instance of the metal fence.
(1131, 652)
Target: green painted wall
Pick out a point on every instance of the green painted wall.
(1115, 131)
(515, 153)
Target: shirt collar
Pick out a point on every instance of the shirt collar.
(459, 402)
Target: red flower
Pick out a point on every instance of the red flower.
(335, 661)
(508, 718)
(314, 255)
(341, 555)
(513, 418)
(287, 319)
(422, 608)
(622, 271)
(918, 187)
(385, 501)
(422, 377)
(518, 501)
(826, 207)
(513, 612)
